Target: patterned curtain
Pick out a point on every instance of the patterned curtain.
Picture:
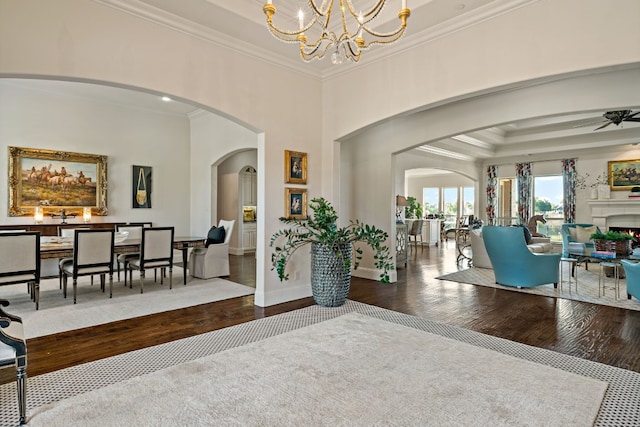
(492, 199)
(525, 187)
(569, 184)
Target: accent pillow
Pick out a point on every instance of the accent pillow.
(583, 234)
(573, 233)
(215, 235)
(527, 234)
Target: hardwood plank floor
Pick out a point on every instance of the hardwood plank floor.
(598, 333)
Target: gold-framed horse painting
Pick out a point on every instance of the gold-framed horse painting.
(56, 181)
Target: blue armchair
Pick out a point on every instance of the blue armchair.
(514, 264)
(566, 237)
(632, 271)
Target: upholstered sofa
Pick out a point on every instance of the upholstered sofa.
(480, 258)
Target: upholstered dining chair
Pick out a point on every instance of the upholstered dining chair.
(513, 263)
(415, 232)
(92, 255)
(632, 273)
(20, 261)
(156, 251)
(13, 352)
(213, 260)
(67, 231)
(135, 233)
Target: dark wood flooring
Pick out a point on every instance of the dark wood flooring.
(598, 333)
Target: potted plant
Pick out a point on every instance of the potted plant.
(332, 254)
(413, 209)
(613, 241)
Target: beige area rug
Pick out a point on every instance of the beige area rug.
(351, 370)
(587, 286)
(57, 314)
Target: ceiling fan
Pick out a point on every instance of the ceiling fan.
(617, 117)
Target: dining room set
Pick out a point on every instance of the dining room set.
(99, 250)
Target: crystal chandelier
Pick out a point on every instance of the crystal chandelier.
(346, 40)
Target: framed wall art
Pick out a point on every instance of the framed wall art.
(624, 174)
(295, 203)
(141, 187)
(56, 181)
(295, 167)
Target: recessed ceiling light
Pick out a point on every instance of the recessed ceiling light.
(166, 99)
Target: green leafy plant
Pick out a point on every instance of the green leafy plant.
(414, 209)
(612, 235)
(321, 227)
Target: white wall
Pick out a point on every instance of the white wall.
(87, 41)
(37, 119)
(518, 65)
(372, 103)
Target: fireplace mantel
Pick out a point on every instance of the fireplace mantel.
(615, 212)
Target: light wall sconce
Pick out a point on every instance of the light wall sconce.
(38, 215)
(86, 214)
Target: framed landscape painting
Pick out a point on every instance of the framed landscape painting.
(624, 174)
(56, 180)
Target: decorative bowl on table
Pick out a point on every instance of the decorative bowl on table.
(120, 236)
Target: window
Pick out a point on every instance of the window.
(548, 192)
(468, 201)
(431, 198)
(507, 201)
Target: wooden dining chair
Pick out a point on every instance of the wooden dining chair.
(92, 254)
(13, 352)
(156, 252)
(135, 233)
(20, 261)
(67, 231)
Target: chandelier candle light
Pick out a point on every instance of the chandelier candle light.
(345, 40)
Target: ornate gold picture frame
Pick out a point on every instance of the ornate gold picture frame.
(295, 167)
(295, 203)
(56, 180)
(624, 174)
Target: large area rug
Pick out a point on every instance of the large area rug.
(587, 286)
(364, 368)
(352, 370)
(57, 314)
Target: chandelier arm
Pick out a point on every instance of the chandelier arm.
(384, 35)
(370, 14)
(385, 41)
(309, 56)
(318, 10)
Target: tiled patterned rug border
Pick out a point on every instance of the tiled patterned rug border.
(619, 407)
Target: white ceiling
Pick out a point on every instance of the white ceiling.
(239, 24)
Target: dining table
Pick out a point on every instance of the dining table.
(54, 247)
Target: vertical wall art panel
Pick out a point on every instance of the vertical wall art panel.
(141, 187)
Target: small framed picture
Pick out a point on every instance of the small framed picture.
(295, 203)
(295, 167)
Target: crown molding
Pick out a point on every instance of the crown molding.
(158, 16)
(412, 40)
